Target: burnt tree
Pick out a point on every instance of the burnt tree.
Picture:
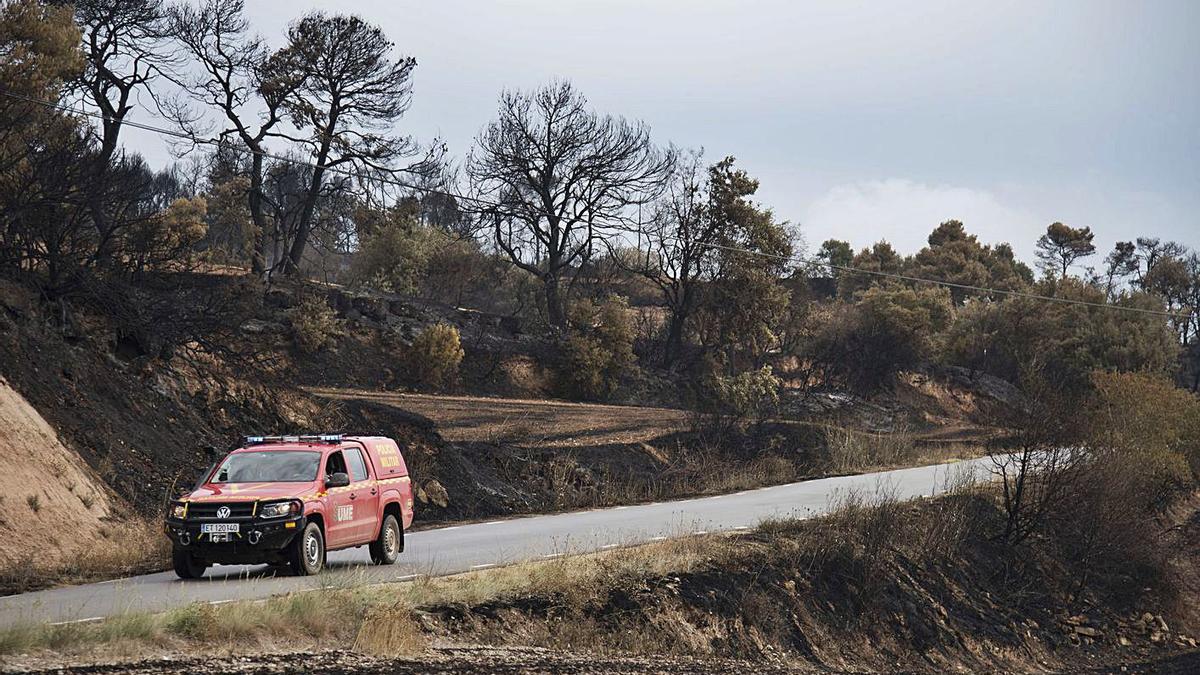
(561, 175)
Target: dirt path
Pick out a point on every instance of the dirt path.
(505, 660)
(439, 660)
(527, 421)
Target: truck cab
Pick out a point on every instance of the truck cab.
(289, 500)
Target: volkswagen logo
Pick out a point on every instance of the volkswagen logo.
(223, 512)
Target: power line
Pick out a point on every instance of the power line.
(175, 133)
(950, 284)
(431, 190)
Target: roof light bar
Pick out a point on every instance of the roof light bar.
(318, 438)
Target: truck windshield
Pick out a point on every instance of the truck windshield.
(268, 467)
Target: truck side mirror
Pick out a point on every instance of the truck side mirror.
(337, 480)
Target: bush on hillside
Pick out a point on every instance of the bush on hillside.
(435, 355)
(1142, 438)
(725, 403)
(168, 238)
(887, 330)
(395, 258)
(1148, 420)
(1003, 338)
(315, 325)
(598, 354)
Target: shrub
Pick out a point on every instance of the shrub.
(1005, 337)
(394, 258)
(599, 353)
(1149, 420)
(728, 402)
(1142, 439)
(169, 237)
(888, 330)
(435, 355)
(315, 325)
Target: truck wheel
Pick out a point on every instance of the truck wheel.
(386, 548)
(187, 566)
(306, 554)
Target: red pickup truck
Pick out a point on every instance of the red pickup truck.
(289, 500)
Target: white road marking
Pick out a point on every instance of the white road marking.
(553, 555)
(657, 538)
(221, 602)
(90, 619)
(406, 577)
(483, 566)
(443, 529)
(494, 522)
(741, 527)
(700, 532)
(113, 581)
(610, 546)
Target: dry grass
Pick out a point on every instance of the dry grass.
(849, 451)
(544, 423)
(134, 546)
(376, 619)
(390, 631)
(383, 619)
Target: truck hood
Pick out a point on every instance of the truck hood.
(248, 492)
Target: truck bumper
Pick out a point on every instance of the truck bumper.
(257, 542)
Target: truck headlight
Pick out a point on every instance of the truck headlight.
(178, 511)
(279, 510)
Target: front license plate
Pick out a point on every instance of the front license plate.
(219, 528)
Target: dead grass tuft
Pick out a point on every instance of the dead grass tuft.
(390, 631)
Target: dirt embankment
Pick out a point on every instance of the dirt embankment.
(48, 494)
(921, 587)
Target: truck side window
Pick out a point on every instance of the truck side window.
(358, 468)
(335, 464)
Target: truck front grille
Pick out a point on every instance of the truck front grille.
(208, 510)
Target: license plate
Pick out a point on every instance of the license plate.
(220, 528)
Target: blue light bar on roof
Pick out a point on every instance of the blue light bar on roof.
(322, 438)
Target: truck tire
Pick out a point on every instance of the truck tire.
(306, 553)
(386, 548)
(187, 566)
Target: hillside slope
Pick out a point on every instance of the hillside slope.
(48, 495)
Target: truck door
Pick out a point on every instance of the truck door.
(364, 496)
(339, 515)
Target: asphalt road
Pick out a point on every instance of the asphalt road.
(462, 548)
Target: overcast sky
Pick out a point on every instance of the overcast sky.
(862, 120)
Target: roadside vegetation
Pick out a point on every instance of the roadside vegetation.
(927, 585)
(1089, 556)
(153, 315)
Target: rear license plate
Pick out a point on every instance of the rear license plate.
(220, 528)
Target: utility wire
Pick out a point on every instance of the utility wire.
(494, 205)
(197, 140)
(948, 284)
